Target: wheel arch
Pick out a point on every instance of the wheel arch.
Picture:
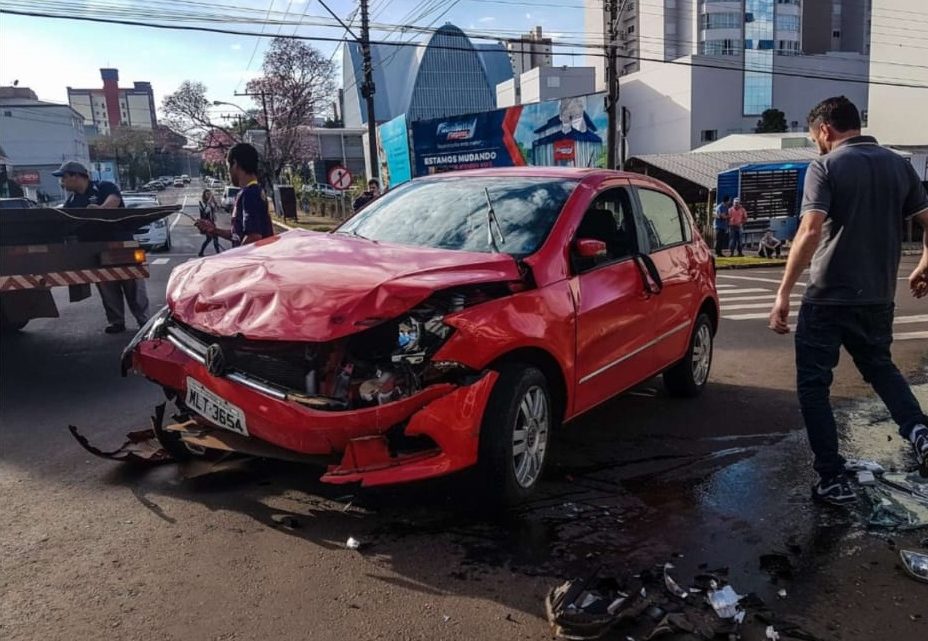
(549, 366)
(710, 309)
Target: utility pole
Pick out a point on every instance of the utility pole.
(268, 156)
(367, 89)
(367, 86)
(612, 81)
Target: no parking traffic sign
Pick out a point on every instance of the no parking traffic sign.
(340, 178)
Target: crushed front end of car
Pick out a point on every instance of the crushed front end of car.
(378, 406)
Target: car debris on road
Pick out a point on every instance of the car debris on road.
(647, 606)
(915, 563)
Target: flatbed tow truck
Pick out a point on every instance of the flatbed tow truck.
(42, 248)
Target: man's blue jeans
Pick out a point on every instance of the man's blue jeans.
(734, 245)
(866, 332)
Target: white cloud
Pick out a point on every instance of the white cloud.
(528, 15)
(236, 46)
(487, 19)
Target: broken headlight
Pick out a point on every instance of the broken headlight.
(418, 339)
(150, 329)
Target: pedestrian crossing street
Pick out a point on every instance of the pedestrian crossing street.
(749, 298)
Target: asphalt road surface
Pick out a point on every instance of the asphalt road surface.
(95, 550)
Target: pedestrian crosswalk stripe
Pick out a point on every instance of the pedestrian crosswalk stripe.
(900, 320)
(754, 316)
(768, 297)
(731, 308)
(910, 336)
(719, 286)
(161, 261)
(748, 290)
(775, 281)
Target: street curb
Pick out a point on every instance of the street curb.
(284, 225)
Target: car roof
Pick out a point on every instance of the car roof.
(539, 171)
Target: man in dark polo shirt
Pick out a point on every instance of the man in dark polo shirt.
(251, 220)
(855, 201)
(85, 193)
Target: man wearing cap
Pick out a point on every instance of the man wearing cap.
(84, 193)
(737, 216)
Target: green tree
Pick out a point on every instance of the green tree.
(772, 121)
(132, 149)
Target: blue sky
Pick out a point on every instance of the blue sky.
(49, 55)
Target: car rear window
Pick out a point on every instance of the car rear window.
(453, 213)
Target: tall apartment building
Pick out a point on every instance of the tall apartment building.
(529, 52)
(731, 61)
(899, 75)
(111, 106)
(836, 25)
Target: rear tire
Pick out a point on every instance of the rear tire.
(688, 378)
(515, 436)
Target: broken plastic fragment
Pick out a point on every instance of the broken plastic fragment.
(724, 602)
(772, 634)
(915, 563)
(782, 594)
(739, 617)
(353, 543)
(866, 477)
(672, 585)
(861, 464)
(141, 447)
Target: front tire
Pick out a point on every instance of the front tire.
(688, 378)
(515, 435)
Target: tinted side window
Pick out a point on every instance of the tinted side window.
(609, 218)
(662, 222)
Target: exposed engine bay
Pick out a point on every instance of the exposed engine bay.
(389, 361)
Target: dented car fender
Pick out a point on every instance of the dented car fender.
(537, 319)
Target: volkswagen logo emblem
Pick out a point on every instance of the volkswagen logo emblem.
(215, 360)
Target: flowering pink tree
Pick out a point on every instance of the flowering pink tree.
(297, 85)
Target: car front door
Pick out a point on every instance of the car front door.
(614, 308)
(666, 232)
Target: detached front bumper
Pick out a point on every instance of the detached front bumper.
(449, 415)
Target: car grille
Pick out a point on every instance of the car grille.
(282, 364)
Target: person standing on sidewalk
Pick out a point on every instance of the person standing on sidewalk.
(720, 224)
(855, 200)
(251, 220)
(86, 193)
(737, 216)
(208, 212)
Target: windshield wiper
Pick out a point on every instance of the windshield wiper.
(352, 232)
(491, 221)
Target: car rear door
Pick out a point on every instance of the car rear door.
(666, 235)
(614, 308)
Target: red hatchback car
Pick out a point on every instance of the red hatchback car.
(454, 322)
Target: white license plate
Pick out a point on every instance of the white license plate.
(215, 409)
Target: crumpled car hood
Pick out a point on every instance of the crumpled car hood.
(308, 286)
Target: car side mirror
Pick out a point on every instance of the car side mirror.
(589, 248)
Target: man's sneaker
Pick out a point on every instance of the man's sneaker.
(115, 328)
(919, 438)
(834, 491)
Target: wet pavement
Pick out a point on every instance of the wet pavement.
(250, 549)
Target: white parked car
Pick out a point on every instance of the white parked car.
(323, 190)
(156, 235)
(228, 198)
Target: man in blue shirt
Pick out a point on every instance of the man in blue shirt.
(84, 193)
(250, 218)
(721, 225)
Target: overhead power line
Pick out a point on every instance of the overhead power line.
(602, 54)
